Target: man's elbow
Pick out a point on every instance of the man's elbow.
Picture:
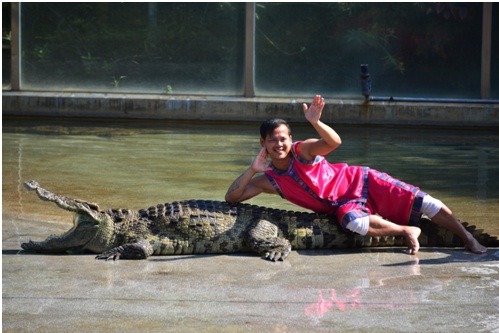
(230, 199)
(333, 145)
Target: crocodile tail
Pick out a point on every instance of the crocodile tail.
(435, 235)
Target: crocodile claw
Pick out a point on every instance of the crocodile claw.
(278, 254)
(135, 251)
(113, 254)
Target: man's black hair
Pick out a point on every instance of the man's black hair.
(270, 125)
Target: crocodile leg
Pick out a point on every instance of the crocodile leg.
(134, 251)
(263, 239)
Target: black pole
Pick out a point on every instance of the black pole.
(365, 79)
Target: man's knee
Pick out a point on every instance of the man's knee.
(431, 206)
(359, 225)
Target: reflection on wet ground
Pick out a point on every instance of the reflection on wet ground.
(406, 286)
(357, 297)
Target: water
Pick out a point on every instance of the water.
(140, 164)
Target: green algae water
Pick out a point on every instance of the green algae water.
(124, 164)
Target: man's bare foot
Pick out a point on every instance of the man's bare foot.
(411, 239)
(474, 246)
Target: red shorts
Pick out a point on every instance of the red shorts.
(388, 197)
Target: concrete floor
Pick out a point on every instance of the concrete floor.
(439, 290)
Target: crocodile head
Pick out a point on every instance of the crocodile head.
(90, 232)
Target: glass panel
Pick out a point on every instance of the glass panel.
(133, 47)
(412, 49)
(6, 45)
(494, 60)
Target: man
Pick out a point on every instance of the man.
(364, 200)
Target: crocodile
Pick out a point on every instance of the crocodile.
(210, 227)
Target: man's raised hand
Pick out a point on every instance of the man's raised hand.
(314, 112)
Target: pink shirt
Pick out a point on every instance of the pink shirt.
(319, 185)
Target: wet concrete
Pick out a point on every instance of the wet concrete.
(438, 290)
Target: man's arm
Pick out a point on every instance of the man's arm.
(330, 140)
(247, 186)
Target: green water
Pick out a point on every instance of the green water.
(140, 164)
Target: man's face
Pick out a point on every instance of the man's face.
(278, 144)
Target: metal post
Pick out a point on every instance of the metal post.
(249, 59)
(15, 42)
(486, 49)
(365, 80)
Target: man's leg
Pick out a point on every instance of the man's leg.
(433, 208)
(445, 218)
(381, 227)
